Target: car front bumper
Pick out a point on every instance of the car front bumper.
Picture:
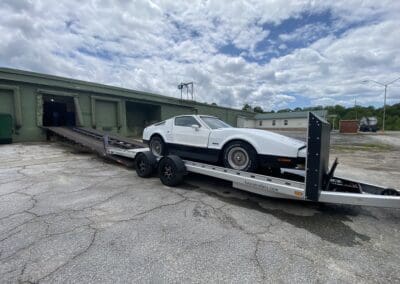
(267, 161)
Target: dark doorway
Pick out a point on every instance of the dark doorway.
(58, 111)
(140, 115)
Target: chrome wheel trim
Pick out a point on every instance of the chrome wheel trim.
(156, 147)
(238, 158)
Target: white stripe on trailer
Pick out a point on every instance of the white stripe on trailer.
(360, 199)
(256, 183)
(128, 153)
(269, 192)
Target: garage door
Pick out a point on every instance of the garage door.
(107, 116)
(6, 102)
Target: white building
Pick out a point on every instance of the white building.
(296, 120)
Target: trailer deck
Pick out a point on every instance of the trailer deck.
(93, 139)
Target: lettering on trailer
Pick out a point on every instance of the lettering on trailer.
(261, 186)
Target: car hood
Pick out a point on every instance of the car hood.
(265, 133)
(268, 135)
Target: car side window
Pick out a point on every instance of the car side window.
(186, 121)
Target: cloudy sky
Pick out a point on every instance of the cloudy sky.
(272, 53)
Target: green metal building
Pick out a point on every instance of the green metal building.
(34, 100)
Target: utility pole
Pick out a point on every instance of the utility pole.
(385, 85)
(355, 106)
(384, 110)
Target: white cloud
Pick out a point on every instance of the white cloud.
(154, 45)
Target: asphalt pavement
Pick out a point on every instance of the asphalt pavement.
(68, 216)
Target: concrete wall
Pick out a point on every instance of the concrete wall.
(107, 108)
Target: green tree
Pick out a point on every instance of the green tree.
(247, 107)
(258, 109)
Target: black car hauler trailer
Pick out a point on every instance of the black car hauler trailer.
(320, 183)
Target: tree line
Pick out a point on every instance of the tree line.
(342, 113)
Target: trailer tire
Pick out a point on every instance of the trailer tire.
(145, 163)
(171, 170)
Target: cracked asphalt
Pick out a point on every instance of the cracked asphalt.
(68, 216)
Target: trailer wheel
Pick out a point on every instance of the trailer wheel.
(145, 163)
(171, 170)
(390, 191)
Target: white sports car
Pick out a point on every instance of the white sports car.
(209, 139)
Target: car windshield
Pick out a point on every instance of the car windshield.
(214, 123)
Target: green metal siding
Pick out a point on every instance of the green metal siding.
(7, 103)
(107, 115)
(168, 111)
(135, 109)
(228, 115)
(139, 115)
(29, 130)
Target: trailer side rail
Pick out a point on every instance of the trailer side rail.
(365, 199)
(282, 188)
(263, 184)
(273, 186)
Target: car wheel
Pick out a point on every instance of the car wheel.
(157, 146)
(240, 156)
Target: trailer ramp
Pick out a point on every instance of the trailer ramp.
(92, 139)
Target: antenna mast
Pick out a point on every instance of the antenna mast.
(189, 90)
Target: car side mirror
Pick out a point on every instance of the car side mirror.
(195, 127)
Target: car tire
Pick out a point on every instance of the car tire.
(157, 146)
(240, 156)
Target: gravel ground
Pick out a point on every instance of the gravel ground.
(68, 216)
(370, 157)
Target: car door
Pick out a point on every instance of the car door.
(188, 131)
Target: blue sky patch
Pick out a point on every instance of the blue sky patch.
(95, 52)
